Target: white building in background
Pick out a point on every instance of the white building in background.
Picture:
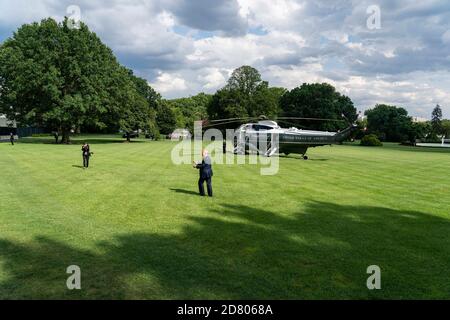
(5, 123)
(180, 134)
(419, 119)
(6, 127)
(361, 116)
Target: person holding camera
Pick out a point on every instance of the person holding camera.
(86, 149)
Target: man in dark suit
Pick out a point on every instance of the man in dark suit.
(86, 150)
(206, 174)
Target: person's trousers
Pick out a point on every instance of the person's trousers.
(201, 186)
(12, 142)
(86, 161)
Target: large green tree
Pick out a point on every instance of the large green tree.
(144, 114)
(165, 118)
(245, 80)
(445, 128)
(61, 77)
(389, 123)
(418, 130)
(436, 120)
(190, 109)
(320, 101)
(245, 95)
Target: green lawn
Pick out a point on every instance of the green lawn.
(137, 229)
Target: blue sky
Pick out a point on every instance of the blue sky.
(184, 47)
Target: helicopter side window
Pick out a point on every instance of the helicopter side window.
(261, 127)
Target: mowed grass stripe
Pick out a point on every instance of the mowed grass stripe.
(135, 225)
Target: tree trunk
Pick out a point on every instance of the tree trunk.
(65, 136)
(128, 137)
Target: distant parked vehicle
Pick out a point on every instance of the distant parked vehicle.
(180, 134)
(132, 135)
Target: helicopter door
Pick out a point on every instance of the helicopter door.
(258, 137)
(263, 142)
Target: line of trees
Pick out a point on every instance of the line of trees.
(439, 126)
(55, 76)
(391, 123)
(246, 95)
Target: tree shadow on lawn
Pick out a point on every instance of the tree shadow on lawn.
(184, 191)
(245, 253)
(77, 141)
(300, 157)
(400, 147)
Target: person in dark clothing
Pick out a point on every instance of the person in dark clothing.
(86, 149)
(11, 138)
(56, 135)
(206, 174)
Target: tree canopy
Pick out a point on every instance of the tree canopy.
(389, 123)
(245, 95)
(57, 76)
(445, 128)
(190, 109)
(436, 120)
(318, 100)
(165, 118)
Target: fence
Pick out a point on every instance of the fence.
(29, 131)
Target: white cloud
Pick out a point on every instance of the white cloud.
(166, 82)
(446, 37)
(213, 78)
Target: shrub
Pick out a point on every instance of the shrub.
(371, 140)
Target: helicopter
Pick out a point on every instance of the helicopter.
(267, 138)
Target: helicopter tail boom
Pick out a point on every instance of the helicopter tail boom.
(346, 133)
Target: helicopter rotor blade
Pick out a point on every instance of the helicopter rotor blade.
(233, 119)
(222, 123)
(291, 124)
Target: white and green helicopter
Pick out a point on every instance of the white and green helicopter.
(267, 138)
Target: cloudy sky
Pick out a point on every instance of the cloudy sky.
(184, 47)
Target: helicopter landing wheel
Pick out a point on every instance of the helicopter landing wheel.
(305, 158)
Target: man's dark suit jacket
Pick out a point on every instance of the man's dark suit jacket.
(205, 168)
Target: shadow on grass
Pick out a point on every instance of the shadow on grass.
(79, 140)
(399, 147)
(183, 191)
(245, 253)
(300, 157)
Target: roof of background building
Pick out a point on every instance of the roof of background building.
(4, 121)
